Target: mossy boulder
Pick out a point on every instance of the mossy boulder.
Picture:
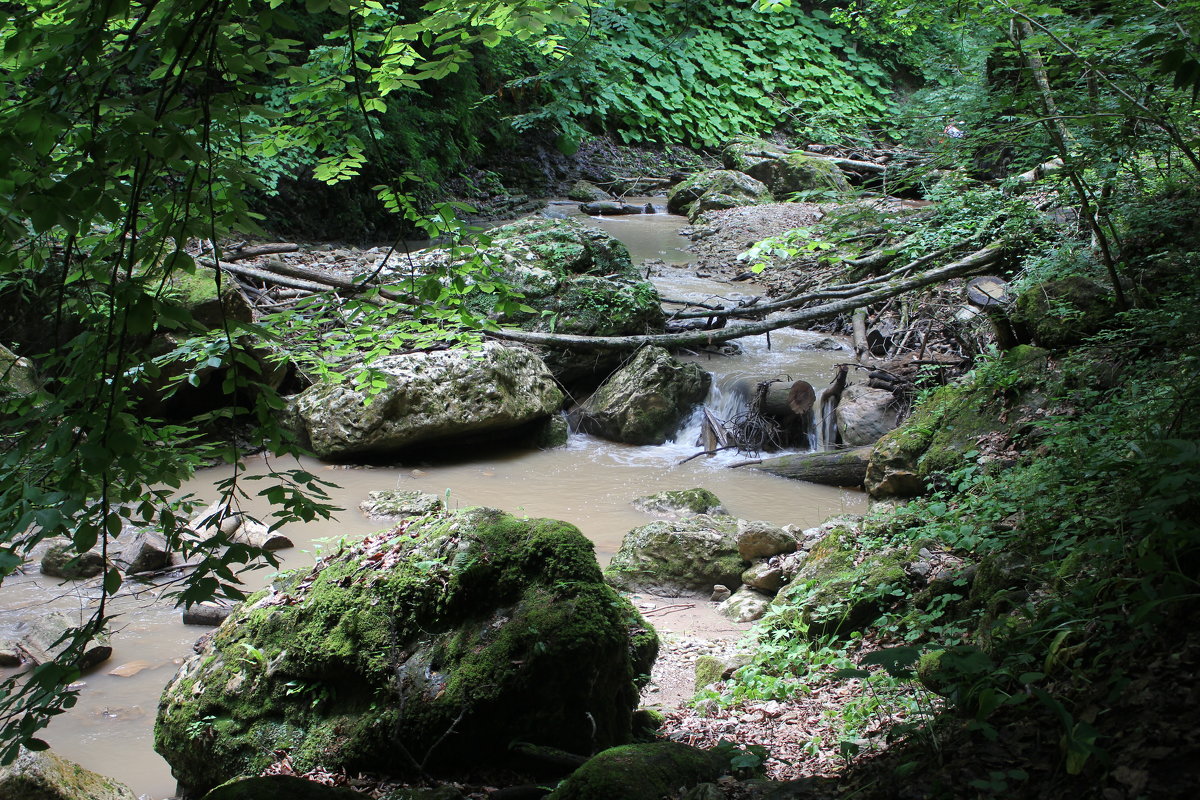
(644, 401)
(574, 279)
(1062, 313)
(64, 561)
(951, 422)
(280, 787)
(759, 539)
(486, 392)
(45, 776)
(587, 192)
(441, 643)
(393, 504)
(843, 588)
(680, 504)
(17, 375)
(210, 303)
(678, 557)
(715, 190)
(783, 171)
(650, 771)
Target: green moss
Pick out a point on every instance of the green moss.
(1062, 313)
(804, 173)
(840, 588)
(474, 616)
(646, 724)
(950, 422)
(709, 669)
(681, 502)
(648, 771)
(597, 306)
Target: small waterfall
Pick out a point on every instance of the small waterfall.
(823, 435)
(724, 401)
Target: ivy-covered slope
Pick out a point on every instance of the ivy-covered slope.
(701, 73)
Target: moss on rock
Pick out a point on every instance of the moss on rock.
(951, 422)
(648, 771)
(1062, 313)
(841, 587)
(680, 503)
(716, 189)
(645, 401)
(783, 171)
(683, 557)
(440, 642)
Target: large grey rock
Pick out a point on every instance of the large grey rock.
(575, 279)
(681, 557)
(765, 576)
(40, 640)
(680, 503)
(587, 192)
(758, 539)
(395, 504)
(865, 414)
(17, 375)
(64, 561)
(783, 171)
(45, 776)
(715, 190)
(745, 605)
(645, 401)
(428, 397)
(145, 551)
(448, 643)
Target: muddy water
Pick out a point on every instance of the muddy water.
(589, 483)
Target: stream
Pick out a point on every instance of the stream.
(589, 482)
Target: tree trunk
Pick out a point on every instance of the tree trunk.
(253, 251)
(897, 285)
(832, 468)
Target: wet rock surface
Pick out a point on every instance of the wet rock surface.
(645, 401)
(428, 397)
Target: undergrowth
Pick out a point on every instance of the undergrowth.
(1079, 547)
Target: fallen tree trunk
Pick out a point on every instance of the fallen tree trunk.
(253, 251)
(835, 291)
(831, 468)
(264, 275)
(979, 260)
(331, 280)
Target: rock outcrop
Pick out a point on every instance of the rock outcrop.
(715, 190)
(45, 776)
(645, 401)
(429, 397)
(675, 558)
(412, 652)
(865, 414)
(681, 503)
(783, 171)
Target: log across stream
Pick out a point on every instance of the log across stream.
(589, 483)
